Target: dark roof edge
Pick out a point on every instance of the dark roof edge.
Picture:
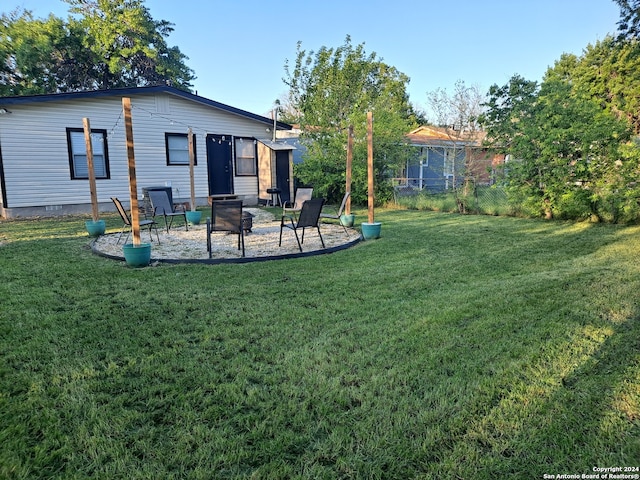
(118, 92)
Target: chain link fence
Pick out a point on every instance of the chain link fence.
(474, 199)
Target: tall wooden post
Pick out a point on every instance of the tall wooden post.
(347, 208)
(191, 176)
(92, 176)
(133, 186)
(370, 165)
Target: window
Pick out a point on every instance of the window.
(449, 156)
(424, 156)
(78, 154)
(177, 146)
(246, 157)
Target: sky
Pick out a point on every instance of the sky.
(238, 49)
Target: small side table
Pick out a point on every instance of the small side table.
(275, 195)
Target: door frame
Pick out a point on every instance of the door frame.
(219, 167)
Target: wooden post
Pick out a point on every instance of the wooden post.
(191, 164)
(133, 187)
(92, 176)
(370, 165)
(347, 208)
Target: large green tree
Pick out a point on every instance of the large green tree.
(104, 44)
(629, 24)
(573, 139)
(563, 148)
(609, 73)
(129, 44)
(39, 56)
(333, 88)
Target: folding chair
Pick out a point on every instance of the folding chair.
(338, 212)
(309, 217)
(302, 195)
(162, 206)
(127, 222)
(226, 216)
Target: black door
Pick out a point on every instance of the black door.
(282, 174)
(220, 164)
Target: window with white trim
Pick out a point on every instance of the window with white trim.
(177, 148)
(78, 154)
(449, 156)
(246, 164)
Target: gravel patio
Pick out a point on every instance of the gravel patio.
(180, 246)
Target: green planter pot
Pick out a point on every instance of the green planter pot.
(347, 220)
(137, 256)
(96, 228)
(371, 231)
(194, 217)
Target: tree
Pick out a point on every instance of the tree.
(31, 51)
(570, 137)
(629, 23)
(107, 44)
(129, 44)
(564, 147)
(457, 115)
(457, 111)
(609, 73)
(334, 88)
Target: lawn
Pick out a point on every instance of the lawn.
(463, 347)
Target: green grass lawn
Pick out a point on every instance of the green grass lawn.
(462, 347)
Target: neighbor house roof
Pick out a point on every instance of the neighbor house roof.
(120, 92)
(427, 135)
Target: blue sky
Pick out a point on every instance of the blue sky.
(238, 48)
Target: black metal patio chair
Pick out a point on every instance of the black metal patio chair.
(226, 216)
(309, 217)
(162, 206)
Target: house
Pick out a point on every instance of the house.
(444, 158)
(43, 166)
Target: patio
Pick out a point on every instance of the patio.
(180, 246)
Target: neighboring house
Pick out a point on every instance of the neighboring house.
(444, 158)
(43, 169)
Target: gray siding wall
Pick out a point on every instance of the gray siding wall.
(36, 159)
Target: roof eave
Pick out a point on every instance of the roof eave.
(118, 92)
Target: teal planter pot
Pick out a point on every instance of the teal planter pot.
(371, 231)
(137, 256)
(347, 220)
(194, 217)
(95, 229)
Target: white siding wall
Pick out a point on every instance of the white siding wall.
(36, 161)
